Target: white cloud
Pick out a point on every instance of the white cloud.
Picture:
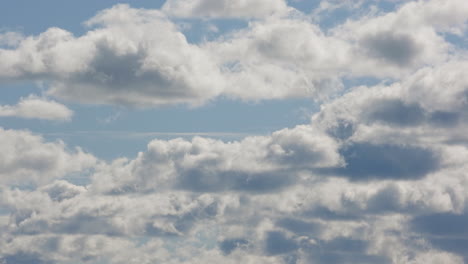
(280, 58)
(132, 57)
(399, 42)
(26, 158)
(37, 107)
(225, 8)
(139, 58)
(427, 107)
(378, 176)
(256, 164)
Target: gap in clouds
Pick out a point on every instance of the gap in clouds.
(224, 119)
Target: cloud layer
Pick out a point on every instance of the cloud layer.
(140, 58)
(378, 175)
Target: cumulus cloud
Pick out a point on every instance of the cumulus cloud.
(425, 107)
(132, 57)
(379, 175)
(37, 107)
(406, 39)
(28, 158)
(347, 198)
(266, 163)
(139, 58)
(266, 199)
(281, 58)
(183, 216)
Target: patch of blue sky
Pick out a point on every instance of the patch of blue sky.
(222, 119)
(22, 15)
(82, 178)
(12, 91)
(198, 30)
(112, 132)
(458, 41)
(339, 12)
(350, 82)
(305, 6)
(4, 211)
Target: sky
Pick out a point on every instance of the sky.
(234, 131)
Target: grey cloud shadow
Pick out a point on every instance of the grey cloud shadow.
(218, 181)
(365, 161)
(343, 250)
(395, 112)
(229, 245)
(22, 258)
(395, 48)
(444, 119)
(350, 258)
(86, 224)
(299, 227)
(387, 199)
(119, 78)
(185, 222)
(327, 214)
(441, 224)
(343, 130)
(446, 231)
(457, 246)
(399, 113)
(80, 223)
(276, 243)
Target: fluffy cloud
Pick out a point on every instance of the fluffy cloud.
(133, 57)
(291, 57)
(283, 198)
(379, 175)
(254, 164)
(408, 38)
(428, 107)
(281, 58)
(36, 107)
(316, 221)
(224, 8)
(139, 58)
(27, 158)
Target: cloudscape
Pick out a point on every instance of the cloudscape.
(234, 131)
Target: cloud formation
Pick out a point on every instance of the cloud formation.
(203, 165)
(27, 158)
(117, 62)
(378, 175)
(39, 108)
(140, 58)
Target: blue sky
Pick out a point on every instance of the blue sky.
(260, 131)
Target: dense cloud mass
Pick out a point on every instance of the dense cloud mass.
(378, 175)
(280, 56)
